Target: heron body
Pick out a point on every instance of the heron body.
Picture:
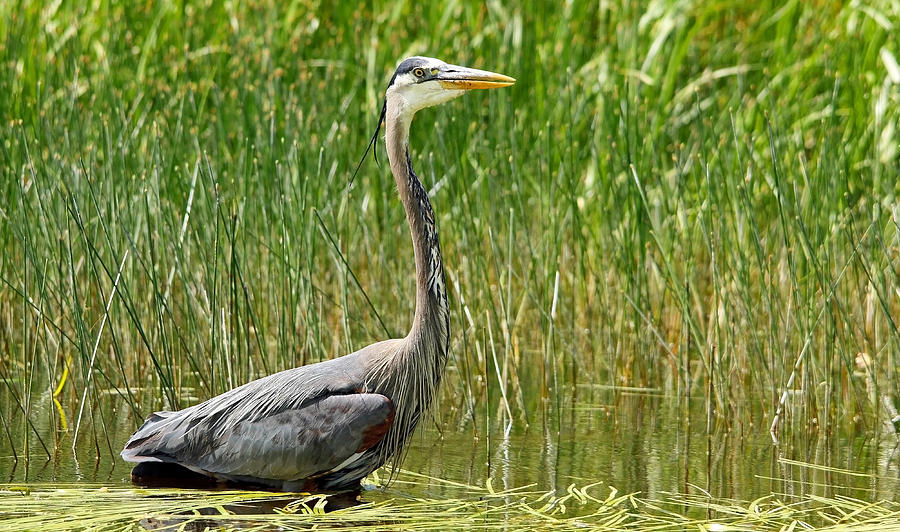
(327, 425)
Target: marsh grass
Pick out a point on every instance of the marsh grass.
(698, 198)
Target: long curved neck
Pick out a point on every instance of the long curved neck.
(431, 325)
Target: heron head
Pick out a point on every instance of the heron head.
(421, 82)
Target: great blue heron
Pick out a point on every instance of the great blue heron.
(327, 425)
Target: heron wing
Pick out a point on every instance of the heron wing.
(317, 437)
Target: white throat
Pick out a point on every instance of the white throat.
(406, 99)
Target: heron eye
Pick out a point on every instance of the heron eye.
(418, 72)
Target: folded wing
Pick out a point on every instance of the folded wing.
(317, 437)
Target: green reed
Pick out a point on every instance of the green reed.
(694, 197)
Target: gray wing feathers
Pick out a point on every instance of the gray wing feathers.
(292, 444)
(284, 426)
(300, 443)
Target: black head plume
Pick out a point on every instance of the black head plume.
(372, 142)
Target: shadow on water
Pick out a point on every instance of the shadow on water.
(162, 476)
(166, 475)
(229, 515)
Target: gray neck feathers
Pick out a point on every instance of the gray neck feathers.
(410, 376)
(431, 326)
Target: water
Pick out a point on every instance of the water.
(636, 442)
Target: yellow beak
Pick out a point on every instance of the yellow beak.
(455, 77)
